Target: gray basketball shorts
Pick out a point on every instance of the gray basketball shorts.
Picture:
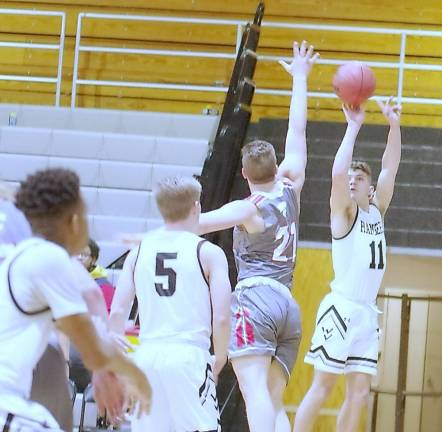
(265, 321)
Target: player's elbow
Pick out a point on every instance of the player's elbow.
(221, 320)
(117, 319)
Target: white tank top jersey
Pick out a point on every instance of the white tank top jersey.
(173, 295)
(38, 284)
(359, 258)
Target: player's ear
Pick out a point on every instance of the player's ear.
(371, 192)
(74, 221)
(243, 172)
(196, 207)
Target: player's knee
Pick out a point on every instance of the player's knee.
(358, 396)
(322, 387)
(251, 389)
(277, 397)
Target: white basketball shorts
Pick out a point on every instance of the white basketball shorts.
(183, 389)
(346, 337)
(20, 415)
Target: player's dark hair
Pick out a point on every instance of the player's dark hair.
(48, 193)
(95, 249)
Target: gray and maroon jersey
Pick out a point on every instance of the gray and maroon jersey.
(271, 253)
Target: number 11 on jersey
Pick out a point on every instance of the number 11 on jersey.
(380, 265)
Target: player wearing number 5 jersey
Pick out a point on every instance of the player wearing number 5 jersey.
(183, 291)
(346, 335)
(265, 318)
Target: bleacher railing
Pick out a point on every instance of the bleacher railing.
(400, 65)
(39, 46)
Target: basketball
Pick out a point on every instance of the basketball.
(354, 82)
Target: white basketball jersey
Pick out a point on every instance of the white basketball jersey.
(38, 285)
(359, 258)
(173, 296)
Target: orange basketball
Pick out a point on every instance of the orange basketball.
(354, 82)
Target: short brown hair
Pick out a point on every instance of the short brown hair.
(175, 197)
(259, 161)
(361, 166)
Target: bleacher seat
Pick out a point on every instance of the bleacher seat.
(118, 155)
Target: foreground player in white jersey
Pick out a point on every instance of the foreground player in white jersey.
(39, 290)
(266, 327)
(346, 335)
(183, 291)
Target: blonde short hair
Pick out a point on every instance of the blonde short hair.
(361, 166)
(259, 161)
(175, 197)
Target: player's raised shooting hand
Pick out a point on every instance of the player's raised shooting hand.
(354, 116)
(391, 111)
(304, 58)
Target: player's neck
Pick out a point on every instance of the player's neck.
(364, 205)
(262, 187)
(53, 236)
(186, 225)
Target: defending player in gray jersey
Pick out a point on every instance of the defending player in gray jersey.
(270, 253)
(265, 318)
(346, 335)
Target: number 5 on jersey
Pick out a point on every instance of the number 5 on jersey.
(161, 270)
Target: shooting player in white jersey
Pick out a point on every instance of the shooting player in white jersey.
(266, 326)
(39, 290)
(183, 292)
(346, 335)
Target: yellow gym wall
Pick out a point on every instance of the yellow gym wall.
(404, 273)
(425, 14)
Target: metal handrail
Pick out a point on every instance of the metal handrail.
(401, 65)
(60, 47)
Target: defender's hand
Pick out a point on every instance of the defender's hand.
(303, 60)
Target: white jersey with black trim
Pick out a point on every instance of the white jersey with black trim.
(173, 295)
(38, 285)
(359, 258)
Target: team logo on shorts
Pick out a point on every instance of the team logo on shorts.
(332, 324)
(244, 327)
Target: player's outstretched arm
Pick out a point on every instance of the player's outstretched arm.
(391, 157)
(124, 295)
(239, 212)
(343, 208)
(215, 266)
(99, 351)
(295, 160)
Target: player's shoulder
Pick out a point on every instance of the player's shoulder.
(255, 199)
(42, 256)
(210, 249)
(375, 208)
